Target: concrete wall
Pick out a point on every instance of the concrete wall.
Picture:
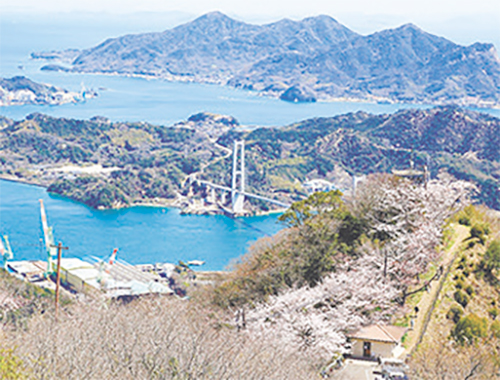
(72, 280)
(378, 349)
(76, 282)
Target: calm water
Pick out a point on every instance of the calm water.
(142, 234)
(135, 99)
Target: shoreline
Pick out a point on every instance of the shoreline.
(9, 178)
(149, 204)
(327, 99)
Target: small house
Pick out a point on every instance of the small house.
(377, 341)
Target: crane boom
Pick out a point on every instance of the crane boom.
(2, 252)
(113, 256)
(49, 239)
(5, 251)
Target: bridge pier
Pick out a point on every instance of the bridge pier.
(238, 178)
(237, 189)
(212, 197)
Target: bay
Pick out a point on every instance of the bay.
(142, 234)
(138, 99)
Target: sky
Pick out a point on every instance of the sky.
(465, 21)
(428, 8)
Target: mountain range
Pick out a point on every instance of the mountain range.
(105, 164)
(313, 59)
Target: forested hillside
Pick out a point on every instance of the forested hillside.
(315, 58)
(285, 308)
(107, 165)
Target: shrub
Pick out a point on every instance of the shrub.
(476, 232)
(495, 329)
(469, 290)
(486, 228)
(493, 312)
(464, 220)
(455, 313)
(162, 338)
(461, 298)
(11, 367)
(491, 258)
(469, 328)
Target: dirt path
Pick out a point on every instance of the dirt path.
(429, 298)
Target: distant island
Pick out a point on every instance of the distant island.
(117, 164)
(316, 59)
(20, 90)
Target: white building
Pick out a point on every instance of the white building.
(317, 185)
(377, 341)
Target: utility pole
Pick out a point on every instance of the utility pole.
(58, 275)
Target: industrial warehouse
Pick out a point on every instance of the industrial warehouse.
(110, 278)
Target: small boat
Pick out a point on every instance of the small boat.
(195, 262)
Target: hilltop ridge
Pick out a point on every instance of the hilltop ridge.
(134, 163)
(322, 58)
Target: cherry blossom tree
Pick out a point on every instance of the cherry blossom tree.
(406, 222)
(317, 318)
(405, 225)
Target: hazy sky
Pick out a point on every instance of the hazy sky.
(465, 20)
(427, 8)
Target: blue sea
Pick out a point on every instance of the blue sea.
(143, 235)
(138, 99)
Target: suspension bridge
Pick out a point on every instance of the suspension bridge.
(237, 189)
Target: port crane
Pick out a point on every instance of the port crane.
(5, 251)
(49, 241)
(112, 276)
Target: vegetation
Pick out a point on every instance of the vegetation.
(470, 328)
(21, 300)
(455, 313)
(147, 339)
(11, 367)
(136, 162)
(461, 298)
(323, 233)
(140, 162)
(491, 259)
(468, 347)
(285, 308)
(441, 358)
(329, 61)
(346, 261)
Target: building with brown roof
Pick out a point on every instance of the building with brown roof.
(377, 341)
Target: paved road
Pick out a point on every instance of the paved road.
(356, 370)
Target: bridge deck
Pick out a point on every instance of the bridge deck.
(250, 195)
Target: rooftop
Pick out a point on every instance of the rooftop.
(380, 333)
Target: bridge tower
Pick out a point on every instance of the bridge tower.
(238, 179)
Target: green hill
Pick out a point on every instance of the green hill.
(138, 163)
